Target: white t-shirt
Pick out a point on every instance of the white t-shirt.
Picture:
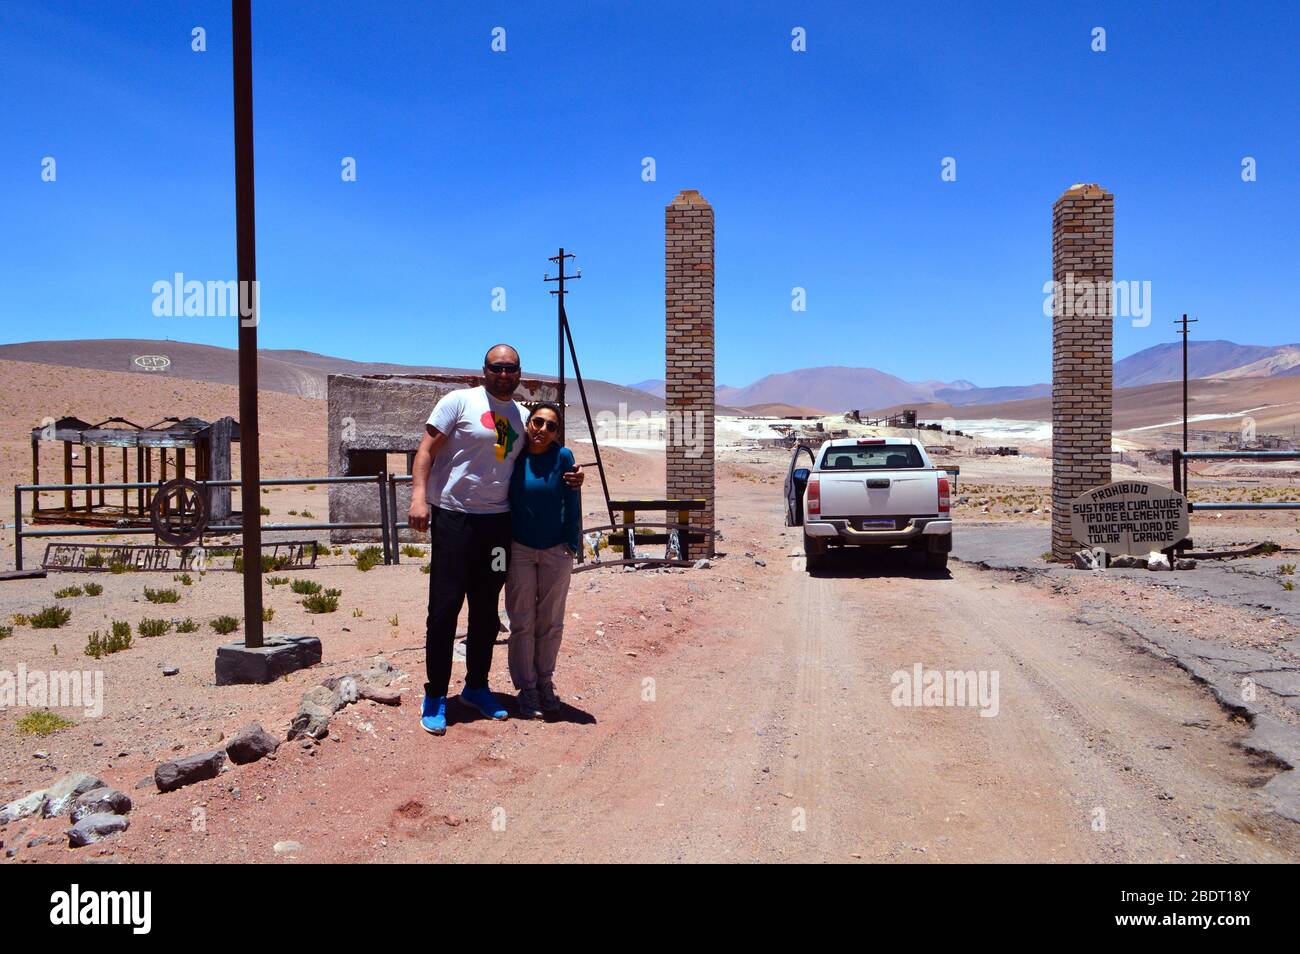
(471, 472)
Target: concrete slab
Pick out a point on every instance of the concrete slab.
(237, 664)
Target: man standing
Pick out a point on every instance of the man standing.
(473, 437)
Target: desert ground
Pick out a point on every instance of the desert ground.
(736, 712)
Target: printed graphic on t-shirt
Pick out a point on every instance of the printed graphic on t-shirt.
(506, 435)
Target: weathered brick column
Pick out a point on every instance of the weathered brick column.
(688, 365)
(1083, 264)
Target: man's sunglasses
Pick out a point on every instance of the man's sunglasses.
(500, 368)
(545, 422)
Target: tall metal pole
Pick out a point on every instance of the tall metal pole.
(1184, 322)
(241, 16)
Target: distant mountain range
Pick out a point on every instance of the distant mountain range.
(842, 388)
(807, 390)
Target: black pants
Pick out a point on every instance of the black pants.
(470, 553)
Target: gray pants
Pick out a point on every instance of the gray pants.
(536, 587)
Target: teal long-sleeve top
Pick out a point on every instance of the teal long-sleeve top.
(543, 510)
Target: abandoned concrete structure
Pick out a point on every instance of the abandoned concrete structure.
(373, 416)
(689, 365)
(1083, 263)
(173, 447)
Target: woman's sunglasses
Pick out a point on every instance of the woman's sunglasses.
(540, 422)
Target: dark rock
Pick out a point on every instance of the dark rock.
(1126, 562)
(101, 801)
(93, 828)
(170, 670)
(250, 744)
(193, 768)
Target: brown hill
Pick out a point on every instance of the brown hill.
(300, 373)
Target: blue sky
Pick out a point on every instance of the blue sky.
(823, 168)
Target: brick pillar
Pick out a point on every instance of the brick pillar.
(1083, 265)
(688, 365)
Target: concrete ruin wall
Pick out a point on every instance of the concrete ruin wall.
(689, 368)
(370, 416)
(1083, 243)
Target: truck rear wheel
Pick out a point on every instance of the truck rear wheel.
(936, 561)
(814, 552)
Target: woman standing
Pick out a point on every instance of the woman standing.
(544, 526)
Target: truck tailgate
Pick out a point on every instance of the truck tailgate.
(886, 493)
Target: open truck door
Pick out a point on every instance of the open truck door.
(796, 479)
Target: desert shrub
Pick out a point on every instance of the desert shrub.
(187, 625)
(100, 645)
(1286, 569)
(269, 563)
(117, 566)
(304, 587)
(326, 602)
(95, 559)
(392, 620)
(67, 591)
(276, 580)
(293, 513)
(426, 569)
(369, 558)
(224, 625)
(94, 589)
(411, 550)
(6, 632)
(184, 579)
(51, 617)
(308, 514)
(154, 627)
(268, 613)
(161, 596)
(357, 613)
(42, 723)
(121, 630)
(265, 511)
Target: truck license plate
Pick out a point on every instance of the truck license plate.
(877, 525)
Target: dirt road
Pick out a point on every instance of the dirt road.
(746, 712)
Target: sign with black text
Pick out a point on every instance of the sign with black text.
(1129, 517)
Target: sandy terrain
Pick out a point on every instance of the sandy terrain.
(739, 712)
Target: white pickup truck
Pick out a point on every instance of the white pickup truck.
(870, 492)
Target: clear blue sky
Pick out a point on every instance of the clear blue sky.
(823, 168)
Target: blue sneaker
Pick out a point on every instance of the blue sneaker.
(483, 701)
(433, 715)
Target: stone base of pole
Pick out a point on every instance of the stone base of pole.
(238, 665)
